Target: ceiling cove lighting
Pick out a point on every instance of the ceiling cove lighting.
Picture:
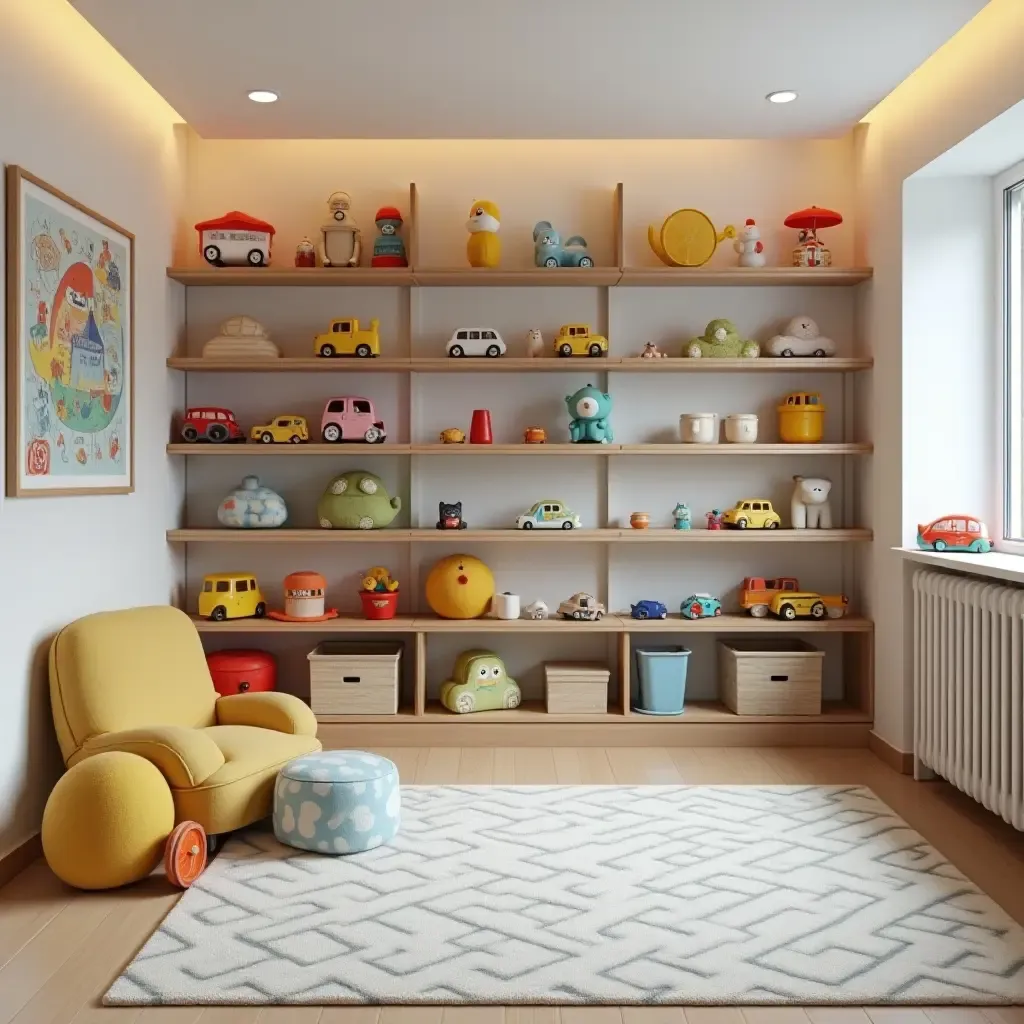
(782, 96)
(269, 96)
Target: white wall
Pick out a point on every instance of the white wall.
(976, 76)
(77, 115)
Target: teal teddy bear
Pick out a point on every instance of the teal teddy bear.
(589, 410)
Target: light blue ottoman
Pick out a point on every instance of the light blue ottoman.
(337, 801)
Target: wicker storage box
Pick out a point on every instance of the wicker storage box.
(770, 677)
(576, 688)
(347, 678)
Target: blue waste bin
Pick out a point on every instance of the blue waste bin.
(662, 675)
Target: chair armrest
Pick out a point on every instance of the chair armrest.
(186, 757)
(267, 710)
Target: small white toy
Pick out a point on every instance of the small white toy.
(537, 610)
(810, 509)
(505, 605)
(534, 343)
(801, 337)
(749, 245)
(651, 351)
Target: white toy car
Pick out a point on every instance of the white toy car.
(801, 338)
(548, 515)
(475, 341)
(537, 610)
(582, 607)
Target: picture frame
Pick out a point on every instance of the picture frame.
(70, 336)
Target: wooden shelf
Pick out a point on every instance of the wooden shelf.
(531, 277)
(541, 450)
(516, 364)
(609, 535)
(615, 623)
(735, 276)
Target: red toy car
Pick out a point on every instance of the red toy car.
(211, 423)
(954, 533)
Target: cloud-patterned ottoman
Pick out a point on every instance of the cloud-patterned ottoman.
(337, 801)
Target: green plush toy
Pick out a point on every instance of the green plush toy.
(480, 683)
(721, 339)
(356, 500)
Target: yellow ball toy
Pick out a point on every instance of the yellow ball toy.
(460, 587)
(107, 820)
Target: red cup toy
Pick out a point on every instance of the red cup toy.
(379, 604)
(480, 428)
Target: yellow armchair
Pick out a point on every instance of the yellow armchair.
(136, 682)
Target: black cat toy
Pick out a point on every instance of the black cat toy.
(449, 516)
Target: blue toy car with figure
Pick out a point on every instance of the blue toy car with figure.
(648, 610)
(700, 606)
(549, 251)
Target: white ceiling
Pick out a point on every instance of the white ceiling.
(567, 69)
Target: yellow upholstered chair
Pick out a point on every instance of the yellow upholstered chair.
(136, 681)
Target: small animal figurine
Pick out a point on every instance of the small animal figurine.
(341, 241)
(589, 411)
(810, 507)
(479, 683)
(388, 248)
(449, 516)
(651, 351)
(549, 250)
(749, 246)
(305, 253)
(452, 435)
(714, 518)
(721, 340)
(535, 610)
(681, 517)
(483, 248)
(801, 337)
(534, 343)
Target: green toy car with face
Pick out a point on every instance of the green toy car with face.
(480, 683)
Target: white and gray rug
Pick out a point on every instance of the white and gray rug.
(614, 894)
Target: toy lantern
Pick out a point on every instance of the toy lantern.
(304, 599)
(810, 252)
(388, 247)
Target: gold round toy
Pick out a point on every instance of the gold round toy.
(687, 238)
(460, 587)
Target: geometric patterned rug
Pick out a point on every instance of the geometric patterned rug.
(738, 895)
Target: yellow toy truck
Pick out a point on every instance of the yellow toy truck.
(804, 604)
(346, 338)
(576, 340)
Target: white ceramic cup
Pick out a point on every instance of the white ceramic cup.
(699, 427)
(741, 428)
(505, 606)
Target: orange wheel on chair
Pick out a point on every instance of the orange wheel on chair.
(185, 853)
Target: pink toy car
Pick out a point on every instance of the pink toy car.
(351, 418)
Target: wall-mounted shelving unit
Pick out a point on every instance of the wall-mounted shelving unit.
(609, 558)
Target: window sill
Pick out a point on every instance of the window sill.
(995, 565)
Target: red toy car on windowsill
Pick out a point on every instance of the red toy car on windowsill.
(211, 423)
(954, 533)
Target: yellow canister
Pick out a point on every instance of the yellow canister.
(802, 418)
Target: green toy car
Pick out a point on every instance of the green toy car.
(480, 683)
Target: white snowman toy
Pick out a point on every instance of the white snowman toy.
(749, 245)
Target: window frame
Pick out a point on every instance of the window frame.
(1009, 406)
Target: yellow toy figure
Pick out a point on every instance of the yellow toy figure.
(483, 249)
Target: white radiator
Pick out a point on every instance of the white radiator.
(969, 688)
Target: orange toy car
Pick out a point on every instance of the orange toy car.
(954, 533)
(535, 435)
(757, 592)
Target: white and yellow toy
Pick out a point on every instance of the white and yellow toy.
(483, 248)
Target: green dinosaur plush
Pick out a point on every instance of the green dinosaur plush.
(356, 500)
(480, 683)
(721, 339)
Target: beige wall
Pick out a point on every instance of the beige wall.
(976, 76)
(75, 114)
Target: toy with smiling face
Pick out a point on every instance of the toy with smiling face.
(721, 340)
(356, 500)
(589, 410)
(479, 683)
(388, 249)
(483, 248)
(460, 587)
(341, 241)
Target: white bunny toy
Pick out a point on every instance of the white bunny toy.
(534, 343)
(749, 245)
(810, 507)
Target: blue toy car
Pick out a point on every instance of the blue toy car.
(648, 610)
(700, 606)
(548, 250)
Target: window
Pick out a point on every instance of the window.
(362, 405)
(474, 335)
(1010, 201)
(488, 335)
(208, 587)
(338, 405)
(223, 586)
(242, 586)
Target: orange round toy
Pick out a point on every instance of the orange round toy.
(460, 587)
(304, 599)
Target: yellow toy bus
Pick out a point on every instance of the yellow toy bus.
(231, 595)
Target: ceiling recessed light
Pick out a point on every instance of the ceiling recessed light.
(269, 96)
(782, 96)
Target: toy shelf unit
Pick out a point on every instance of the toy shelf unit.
(419, 393)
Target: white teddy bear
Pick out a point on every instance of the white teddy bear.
(801, 338)
(810, 508)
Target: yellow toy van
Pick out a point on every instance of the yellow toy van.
(346, 338)
(284, 429)
(576, 340)
(755, 513)
(231, 595)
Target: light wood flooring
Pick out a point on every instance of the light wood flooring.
(60, 949)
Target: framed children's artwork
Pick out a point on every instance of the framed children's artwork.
(70, 345)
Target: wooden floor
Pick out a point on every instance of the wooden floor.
(60, 949)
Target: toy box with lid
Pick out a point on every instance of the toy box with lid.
(350, 678)
(242, 671)
(770, 676)
(576, 688)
